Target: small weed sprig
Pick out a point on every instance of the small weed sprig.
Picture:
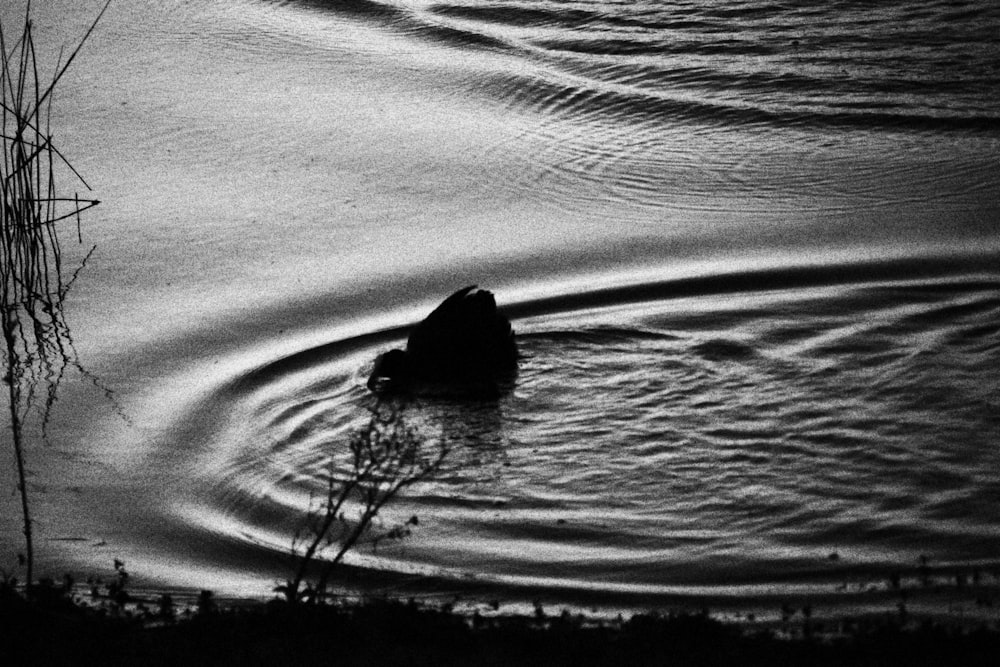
(385, 456)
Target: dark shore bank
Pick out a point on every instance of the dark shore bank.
(57, 630)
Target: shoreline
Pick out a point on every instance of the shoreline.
(57, 630)
(943, 594)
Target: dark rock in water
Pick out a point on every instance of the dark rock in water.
(464, 346)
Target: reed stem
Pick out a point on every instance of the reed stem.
(37, 346)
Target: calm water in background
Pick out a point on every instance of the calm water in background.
(750, 252)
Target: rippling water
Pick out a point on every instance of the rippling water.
(749, 251)
(655, 440)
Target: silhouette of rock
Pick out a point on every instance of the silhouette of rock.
(464, 346)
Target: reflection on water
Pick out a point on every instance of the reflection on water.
(749, 252)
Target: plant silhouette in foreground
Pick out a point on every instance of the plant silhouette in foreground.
(37, 346)
(383, 457)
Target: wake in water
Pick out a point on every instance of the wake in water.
(643, 112)
(907, 65)
(662, 444)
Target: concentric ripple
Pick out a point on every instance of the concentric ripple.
(685, 436)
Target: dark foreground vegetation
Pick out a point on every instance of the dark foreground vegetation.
(54, 629)
(47, 625)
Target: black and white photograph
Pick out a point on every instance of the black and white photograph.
(500, 332)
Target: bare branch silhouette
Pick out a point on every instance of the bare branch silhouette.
(382, 458)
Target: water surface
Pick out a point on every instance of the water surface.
(749, 251)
